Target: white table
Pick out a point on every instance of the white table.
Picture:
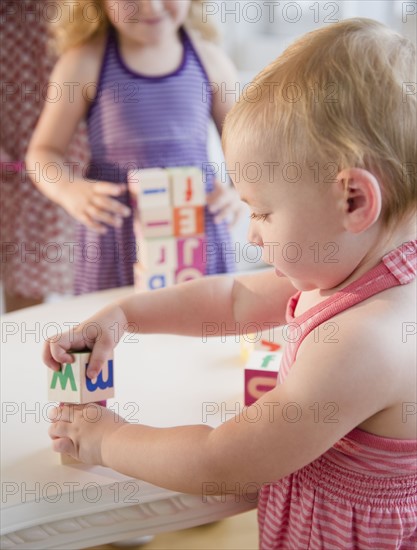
(160, 380)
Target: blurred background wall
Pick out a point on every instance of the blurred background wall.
(254, 32)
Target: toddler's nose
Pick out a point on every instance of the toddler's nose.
(254, 237)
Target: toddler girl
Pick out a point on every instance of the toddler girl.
(336, 219)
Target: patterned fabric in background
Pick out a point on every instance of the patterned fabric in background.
(37, 236)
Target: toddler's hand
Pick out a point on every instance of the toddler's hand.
(92, 205)
(81, 430)
(101, 333)
(224, 203)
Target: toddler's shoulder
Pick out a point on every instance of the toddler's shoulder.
(376, 331)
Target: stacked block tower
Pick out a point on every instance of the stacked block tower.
(169, 225)
(71, 385)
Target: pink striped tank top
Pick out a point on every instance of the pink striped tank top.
(362, 493)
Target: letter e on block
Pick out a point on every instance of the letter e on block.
(188, 220)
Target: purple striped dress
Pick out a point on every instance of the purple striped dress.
(139, 121)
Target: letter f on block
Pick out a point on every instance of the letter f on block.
(64, 375)
(99, 382)
(266, 360)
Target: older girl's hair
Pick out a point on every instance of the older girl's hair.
(83, 20)
(340, 97)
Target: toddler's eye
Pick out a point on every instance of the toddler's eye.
(259, 217)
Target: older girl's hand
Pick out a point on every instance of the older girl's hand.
(224, 203)
(95, 204)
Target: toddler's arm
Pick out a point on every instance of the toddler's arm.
(328, 392)
(68, 99)
(223, 301)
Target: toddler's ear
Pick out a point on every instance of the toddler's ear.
(362, 199)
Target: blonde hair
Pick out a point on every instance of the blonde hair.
(83, 20)
(339, 96)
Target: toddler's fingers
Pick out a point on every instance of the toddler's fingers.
(113, 189)
(102, 349)
(57, 430)
(52, 432)
(64, 445)
(55, 353)
(73, 340)
(68, 412)
(48, 359)
(61, 423)
(54, 414)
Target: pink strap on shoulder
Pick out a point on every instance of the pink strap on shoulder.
(398, 267)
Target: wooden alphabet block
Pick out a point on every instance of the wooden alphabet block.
(152, 280)
(191, 253)
(157, 222)
(188, 220)
(67, 459)
(159, 280)
(187, 186)
(71, 384)
(161, 254)
(138, 277)
(247, 347)
(187, 274)
(151, 187)
(270, 340)
(191, 263)
(261, 373)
